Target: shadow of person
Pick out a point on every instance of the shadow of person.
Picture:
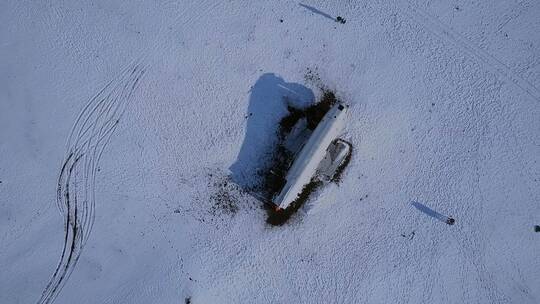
(316, 11)
(268, 103)
(434, 214)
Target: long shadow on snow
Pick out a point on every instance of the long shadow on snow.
(316, 11)
(434, 214)
(267, 105)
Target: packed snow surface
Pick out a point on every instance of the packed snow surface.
(130, 130)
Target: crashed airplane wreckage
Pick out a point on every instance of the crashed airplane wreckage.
(317, 155)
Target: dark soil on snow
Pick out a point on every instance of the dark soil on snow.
(280, 217)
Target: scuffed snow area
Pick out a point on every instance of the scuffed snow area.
(444, 113)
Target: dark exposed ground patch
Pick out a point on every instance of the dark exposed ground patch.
(315, 113)
(312, 76)
(224, 203)
(287, 123)
(225, 199)
(280, 217)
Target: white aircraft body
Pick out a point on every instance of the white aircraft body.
(319, 157)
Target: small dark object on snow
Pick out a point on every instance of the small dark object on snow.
(409, 236)
(188, 300)
(281, 20)
(341, 20)
(536, 228)
(450, 221)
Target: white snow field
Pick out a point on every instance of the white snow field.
(171, 106)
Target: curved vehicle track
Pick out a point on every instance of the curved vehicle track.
(89, 136)
(75, 195)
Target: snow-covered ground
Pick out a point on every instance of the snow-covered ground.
(444, 111)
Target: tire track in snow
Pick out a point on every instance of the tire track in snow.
(89, 136)
(444, 32)
(76, 182)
